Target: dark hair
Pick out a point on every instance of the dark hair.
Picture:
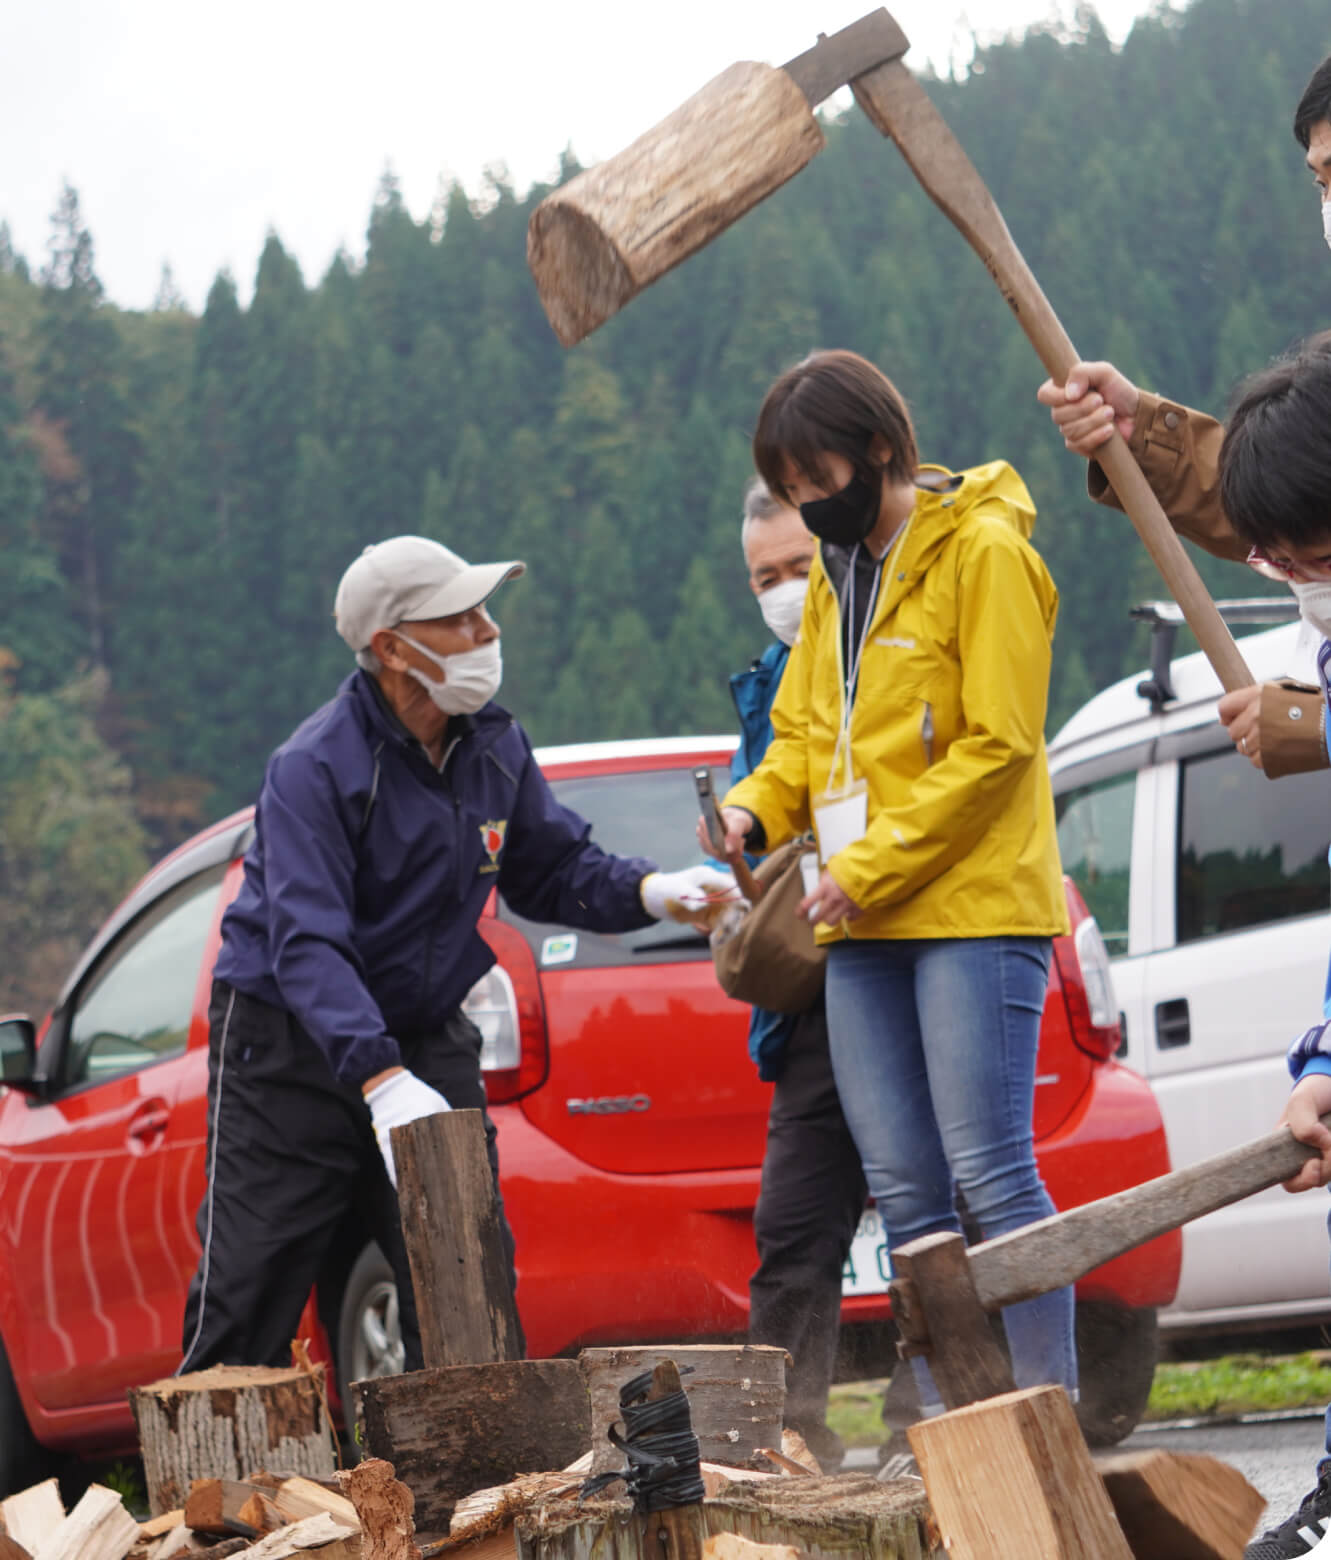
(1275, 462)
(1314, 105)
(833, 403)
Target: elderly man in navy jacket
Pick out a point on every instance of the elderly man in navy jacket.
(383, 824)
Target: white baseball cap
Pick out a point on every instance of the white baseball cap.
(410, 579)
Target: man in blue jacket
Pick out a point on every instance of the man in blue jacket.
(813, 1188)
(384, 822)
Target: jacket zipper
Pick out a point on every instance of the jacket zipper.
(927, 732)
(457, 853)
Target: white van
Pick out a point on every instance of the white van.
(1211, 886)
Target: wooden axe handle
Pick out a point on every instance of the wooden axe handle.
(1060, 1249)
(899, 107)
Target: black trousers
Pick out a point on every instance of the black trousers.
(813, 1193)
(290, 1153)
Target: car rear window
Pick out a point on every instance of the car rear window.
(648, 812)
(1095, 842)
(1250, 852)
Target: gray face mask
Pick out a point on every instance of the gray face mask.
(471, 678)
(1326, 222)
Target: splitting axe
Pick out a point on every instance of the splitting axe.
(941, 1291)
(598, 241)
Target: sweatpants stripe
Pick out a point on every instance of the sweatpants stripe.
(212, 1172)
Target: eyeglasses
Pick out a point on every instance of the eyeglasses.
(1286, 569)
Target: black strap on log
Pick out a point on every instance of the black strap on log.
(662, 1451)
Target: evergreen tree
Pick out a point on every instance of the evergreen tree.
(80, 368)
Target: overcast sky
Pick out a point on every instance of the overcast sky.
(190, 130)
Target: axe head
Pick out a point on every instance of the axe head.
(611, 231)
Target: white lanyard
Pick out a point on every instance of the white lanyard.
(853, 671)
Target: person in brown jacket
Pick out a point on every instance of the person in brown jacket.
(1279, 726)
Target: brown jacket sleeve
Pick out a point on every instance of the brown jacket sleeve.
(1291, 730)
(1179, 450)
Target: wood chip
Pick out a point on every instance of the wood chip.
(298, 1497)
(731, 1546)
(155, 1527)
(309, 1533)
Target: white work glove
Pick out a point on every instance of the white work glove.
(696, 896)
(395, 1102)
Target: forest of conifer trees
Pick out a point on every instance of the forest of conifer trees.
(179, 494)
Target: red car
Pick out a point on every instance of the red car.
(631, 1127)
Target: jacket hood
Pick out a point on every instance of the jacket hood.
(944, 499)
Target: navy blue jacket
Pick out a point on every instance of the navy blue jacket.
(753, 691)
(370, 868)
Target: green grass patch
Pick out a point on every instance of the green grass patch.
(1231, 1384)
(1240, 1384)
(855, 1412)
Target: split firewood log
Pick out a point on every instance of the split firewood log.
(30, 1516)
(98, 1528)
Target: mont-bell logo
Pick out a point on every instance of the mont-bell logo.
(492, 839)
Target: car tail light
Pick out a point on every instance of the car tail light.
(1088, 983)
(506, 1006)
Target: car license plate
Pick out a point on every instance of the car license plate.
(867, 1270)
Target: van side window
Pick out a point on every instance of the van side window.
(136, 1008)
(1095, 842)
(1251, 850)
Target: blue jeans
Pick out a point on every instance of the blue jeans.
(933, 1043)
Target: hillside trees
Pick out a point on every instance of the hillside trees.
(179, 494)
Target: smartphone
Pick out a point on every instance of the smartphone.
(711, 811)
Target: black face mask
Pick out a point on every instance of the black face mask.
(847, 517)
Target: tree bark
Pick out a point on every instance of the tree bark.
(228, 1422)
(449, 1432)
(611, 231)
(829, 1518)
(450, 1221)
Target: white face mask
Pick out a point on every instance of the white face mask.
(782, 608)
(1326, 221)
(471, 677)
(1314, 603)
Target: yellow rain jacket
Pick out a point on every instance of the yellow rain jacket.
(947, 724)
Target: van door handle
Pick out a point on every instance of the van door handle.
(1173, 1027)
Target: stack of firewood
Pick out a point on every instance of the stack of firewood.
(267, 1516)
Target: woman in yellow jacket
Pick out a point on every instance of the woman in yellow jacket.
(908, 734)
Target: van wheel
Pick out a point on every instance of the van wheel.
(369, 1335)
(23, 1461)
(1117, 1347)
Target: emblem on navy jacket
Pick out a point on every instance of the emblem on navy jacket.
(492, 838)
